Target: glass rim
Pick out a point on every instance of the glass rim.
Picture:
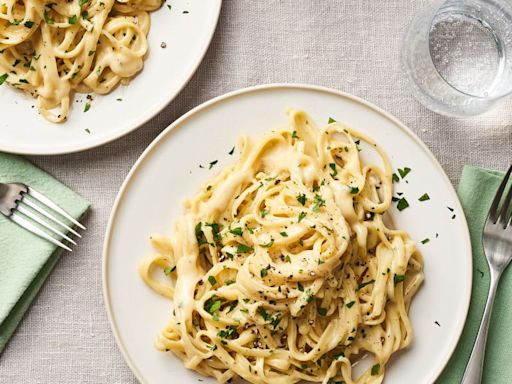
(430, 24)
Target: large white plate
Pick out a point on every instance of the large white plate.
(151, 196)
(165, 73)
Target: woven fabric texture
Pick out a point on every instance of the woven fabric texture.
(350, 45)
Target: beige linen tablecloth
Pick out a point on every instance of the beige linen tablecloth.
(350, 45)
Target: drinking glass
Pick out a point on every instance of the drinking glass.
(458, 55)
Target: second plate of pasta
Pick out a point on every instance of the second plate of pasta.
(78, 74)
(298, 254)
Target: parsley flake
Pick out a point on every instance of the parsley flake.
(236, 231)
(333, 167)
(402, 204)
(301, 198)
(404, 172)
(243, 248)
(213, 163)
(424, 197)
(362, 285)
(398, 278)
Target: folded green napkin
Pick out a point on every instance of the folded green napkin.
(477, 188)
(25, 259)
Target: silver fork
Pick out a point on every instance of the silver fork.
(497, 242)
(14, 203)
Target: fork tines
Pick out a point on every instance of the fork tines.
(50, 206)
(503, 214)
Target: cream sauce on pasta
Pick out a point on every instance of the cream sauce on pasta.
(281, 268)
(51, 49)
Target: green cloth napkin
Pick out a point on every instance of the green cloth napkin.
(477, 188)
(25, 259)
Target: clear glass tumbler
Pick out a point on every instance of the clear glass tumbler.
(458, 55)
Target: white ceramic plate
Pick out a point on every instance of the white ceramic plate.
(151, 196)
(165, 73)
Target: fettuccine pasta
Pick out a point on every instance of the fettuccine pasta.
(53, 48)
(282, 268)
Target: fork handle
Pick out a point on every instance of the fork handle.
(474, 368)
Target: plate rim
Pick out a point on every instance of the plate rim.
(272, 86)
(68, 149)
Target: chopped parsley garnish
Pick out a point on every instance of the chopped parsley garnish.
(73, 19)
(87, 107)
(425, 241)
(232, 151)
(263, 313)
(268, 245)
(375, 370)
(264, 213)
(212, 305)
(28, 24)
(215, 231)
(85, 15)
(362, 285)
(398, 278)
(236, 231)
(82, 2)
(229, 255)
(302, 215)
(48, 19)
(338, 356)
(212, 280)
(199, 234)
(185, 12)
(333, 167)
(3, 78)
(92, 53)
(322, 311)
(243, 248)
(208, 188)
(212, 163)
(424, 197)
(301, 198)
(309, 298)
(288, 259)
(404, 172)
(284, 234)
(349, 305)
(24, 81)
(169, 269)
(228, 333)
(395, 178)
(300, 287)
(294, 135)
(263, 272)
(402, 204)
(331, 120)
(87, 130)
(320, 202)
(354, 190)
